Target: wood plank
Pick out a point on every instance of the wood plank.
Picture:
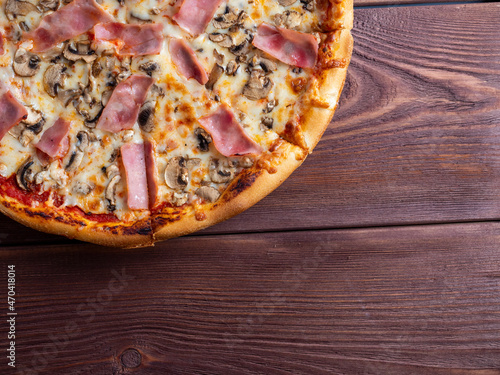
(407, 300)
(375, 3)
(416, 137)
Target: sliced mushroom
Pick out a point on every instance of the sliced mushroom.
(232, 68)
(112, 170)
(179, 198)
(35, 120)
(67, 96)
(76, 158)
(267, 122)
(16, 8)
(208, 193)
(219, 57)
(223, 40)
(83, 188)
(290, 19)
(204, 139)
(26, 64)
(286, 3)
(146, 116)
(109, 194)
(75, 51)
(226, 20)
(246, 162)
(106, 95)
(24, 174)
(53, 78)
(266, 65)
(47, 5)
(26, 137)
(271, 104)
(215, 74)
(149, 67)
(242, 50)
(258, 86)
(176, 174)
(220, 173)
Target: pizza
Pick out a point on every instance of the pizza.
(127, 122)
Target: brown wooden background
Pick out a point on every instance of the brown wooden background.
(380, 255)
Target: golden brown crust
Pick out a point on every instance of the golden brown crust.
(336, 14)
(320, 102)
(74, 226)
(247, 189)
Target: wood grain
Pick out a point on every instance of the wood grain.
(375, 3)
(408, 300)
(416, 138)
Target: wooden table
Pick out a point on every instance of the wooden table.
(380, 255)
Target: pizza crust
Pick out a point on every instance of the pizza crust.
(73, 226)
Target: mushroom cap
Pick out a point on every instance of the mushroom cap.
(176, 174)
(53, 78)
(208, 193)
(26, 64)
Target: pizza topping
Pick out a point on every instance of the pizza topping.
(289, 19)
(16, 8)
(26, 64)
(215, 74)
(289, 46)
(195, 15)
(176, 173)
(286, 3)
(71, 20)
(204, 139)
(81, 50)
(151, 172)
(132, 40)
(232, 67)
(220, 172)
(179, 198)
(49, 4)
(227, 134)
(11, 111)
(83, 188)
(149, 67)
(258, 86)
(267, 122)
(25, 175)
(110, 191)
(134, 161)
(266, 65)
(229, 19)
(208, 193)
(53, 78)
(223, 40)
(54, 141)
(35, 120)
(186, 61)
(146, 116)
(76, 158)
(123, 107)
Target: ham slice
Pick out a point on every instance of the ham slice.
(195, 15)
(123, 107)
(134, 162)
(11, 111)
(289, 46)
(132, 40)
(54, 141)
(151, 172)
(186, 61)
(69, 21)
(227, 134)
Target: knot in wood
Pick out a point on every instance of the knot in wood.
(131, 358)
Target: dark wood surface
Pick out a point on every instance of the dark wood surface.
(380, 255)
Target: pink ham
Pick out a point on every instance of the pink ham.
(151, 172)
(227, 134)
(54, 142)
(288, 46)
(134, 162)
(186, 61)
(123, 107)
(132, 40)
(71, 20)
(11, 111)
(195, 15)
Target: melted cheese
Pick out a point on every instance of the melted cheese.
(179, 106)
